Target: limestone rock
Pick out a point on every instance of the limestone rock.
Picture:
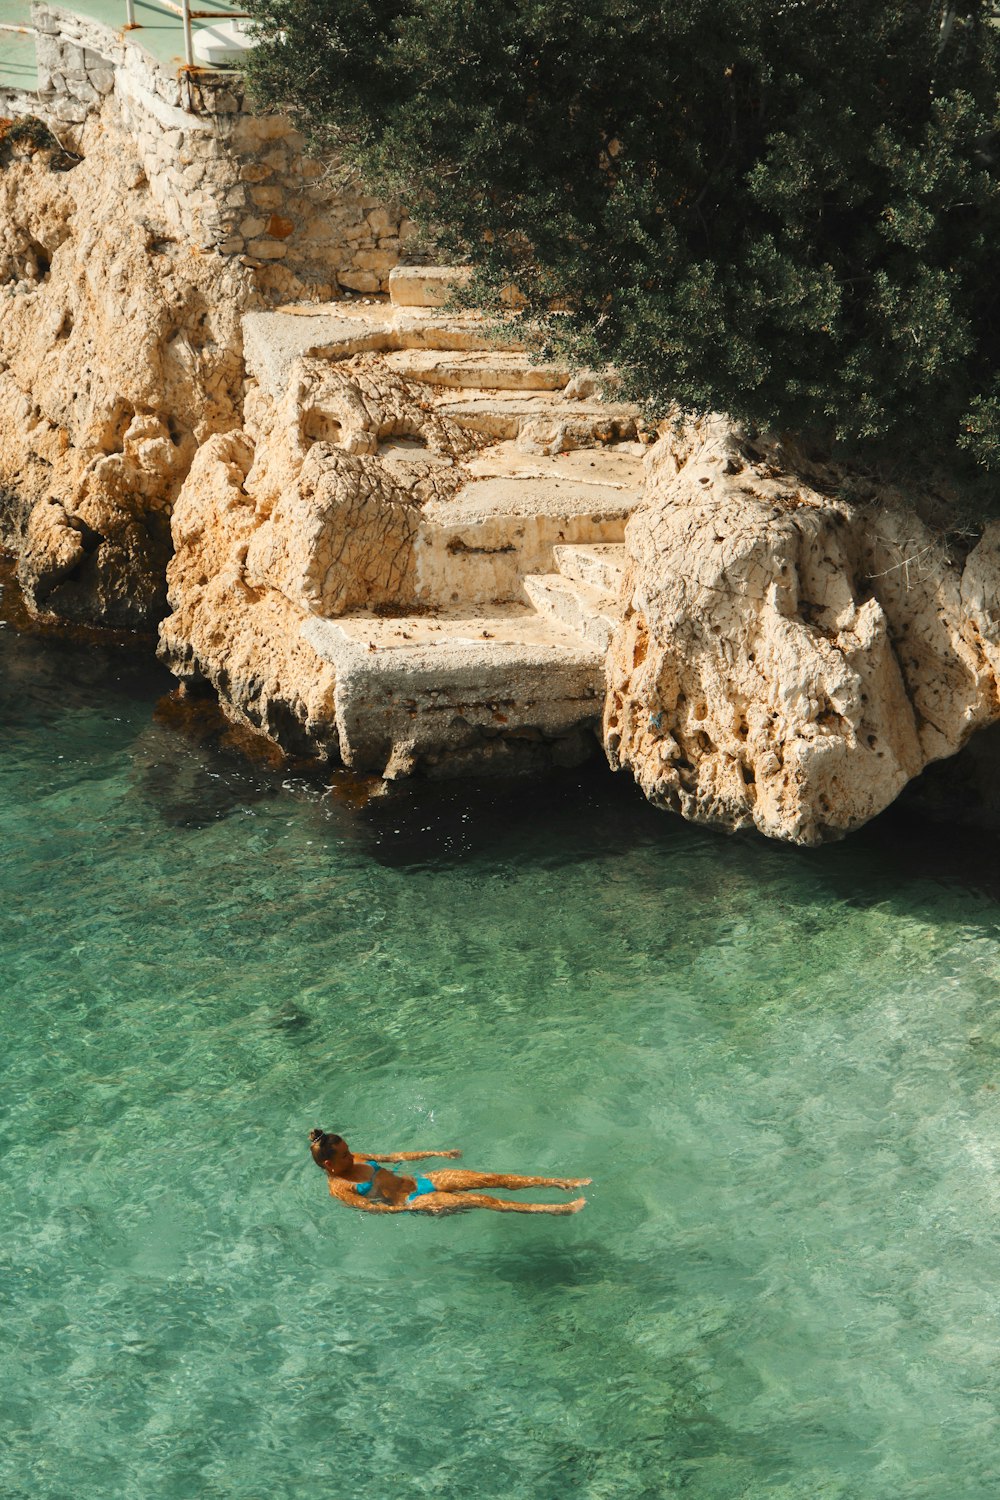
(99, 561)
(794, 649)
(120, 351)
(401, 490)
(293, 518)
(242, 641)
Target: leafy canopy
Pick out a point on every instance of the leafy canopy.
(785, 209)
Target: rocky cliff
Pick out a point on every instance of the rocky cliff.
(131, 242)
(296, 517)
(120, 354)
(797, 642)
(389, 540)
(352, 571)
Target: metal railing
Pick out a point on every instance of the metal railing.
(183, 10)
(187, 15)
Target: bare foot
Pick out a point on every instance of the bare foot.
(571, 1182)
(566, 1208)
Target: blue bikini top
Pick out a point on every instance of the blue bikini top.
(424, 1184)
(364, 1188)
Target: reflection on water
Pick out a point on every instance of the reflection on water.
(781, 1068)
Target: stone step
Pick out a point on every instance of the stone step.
(589, 612)
(600, 567)
(424, 286)
(495, 370)
(618, 465)
(498, 498)
(274, 340)
(437, 687)
(555, 425)
(477, 545)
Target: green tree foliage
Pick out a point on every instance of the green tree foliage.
(786, 209)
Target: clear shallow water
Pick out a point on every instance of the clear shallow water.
(780, 1068)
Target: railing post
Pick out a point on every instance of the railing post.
(186, 17)
(129, 12)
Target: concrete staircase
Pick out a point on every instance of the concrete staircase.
(591, 611)
(430, 689)
(501, 663)
(436, 690)
(513, 512)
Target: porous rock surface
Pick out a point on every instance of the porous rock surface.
(120, 353)
(369, 572)
(294, 517)
(796, 644)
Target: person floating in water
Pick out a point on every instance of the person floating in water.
(363, 1182)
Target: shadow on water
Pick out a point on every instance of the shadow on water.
(289, 1018)
(47, 675)
(902, 847)
(541, 1268)
(565, 815)
(591, 813)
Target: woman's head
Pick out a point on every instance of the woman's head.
(328, 1151)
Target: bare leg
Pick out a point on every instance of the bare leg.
(456, 1180)
(451, 1202)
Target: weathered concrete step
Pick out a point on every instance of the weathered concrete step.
(460, 642)
(560, 424)
(440, 685)
(274, 340)
(600, 567)
(500, 370)
(478, 545)
(424, 286)
(589, 612)
(617, 464)
(502, 497)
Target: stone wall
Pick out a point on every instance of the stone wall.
(228, 179)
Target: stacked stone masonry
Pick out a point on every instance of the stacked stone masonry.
(226, 178)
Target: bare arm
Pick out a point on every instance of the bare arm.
(344, 1193)
(405, 1155)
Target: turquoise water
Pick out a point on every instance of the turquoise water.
(781, 1069)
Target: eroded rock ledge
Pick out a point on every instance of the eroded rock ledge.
(132, 241)
(794, 648)
(120, 353)
(363, 572)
